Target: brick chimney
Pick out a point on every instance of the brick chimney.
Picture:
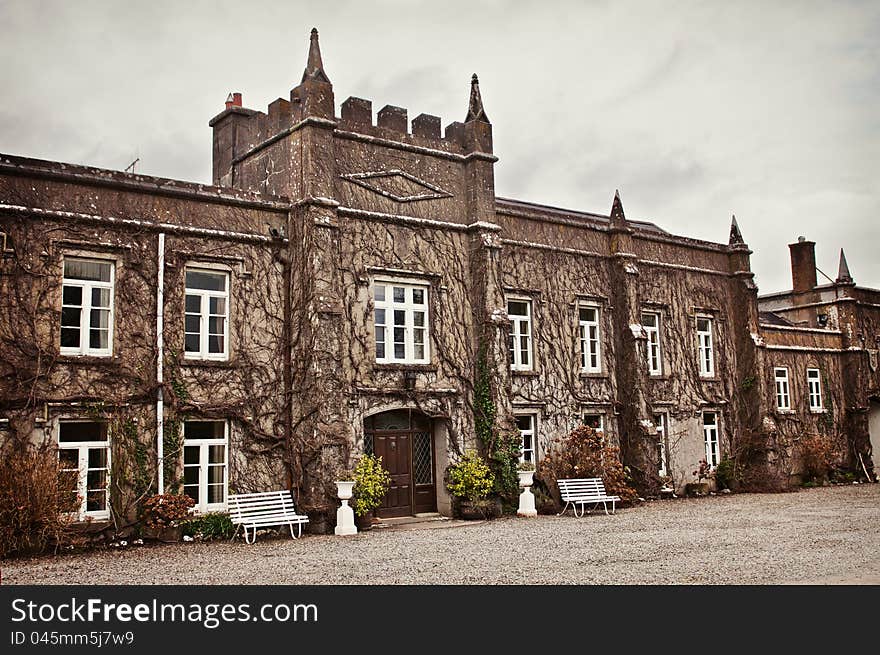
(803, 265)
(233, 100)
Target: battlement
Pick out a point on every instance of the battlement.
(391, 123)
(240, 132)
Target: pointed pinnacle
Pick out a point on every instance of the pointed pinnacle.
(314, 66)
(735, 235)
(617, 214)
(475, 106)
(843, 274)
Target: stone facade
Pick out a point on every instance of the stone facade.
(369, 268)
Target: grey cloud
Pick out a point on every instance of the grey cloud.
(694, 110)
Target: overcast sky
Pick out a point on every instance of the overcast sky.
(694, 110)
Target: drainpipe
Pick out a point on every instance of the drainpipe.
(160, 355)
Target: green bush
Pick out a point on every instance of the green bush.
(724, 474)
(214, 525)
(371, 483)
(470, 478)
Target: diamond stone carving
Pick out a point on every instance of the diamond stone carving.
(397, 185)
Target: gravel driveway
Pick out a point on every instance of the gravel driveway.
(824, 535)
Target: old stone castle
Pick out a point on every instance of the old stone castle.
(345, 286)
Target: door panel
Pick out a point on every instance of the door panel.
(394, 448)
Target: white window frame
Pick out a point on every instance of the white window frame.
(783, 388)
(601, 415)
(653, 351)
(410, 309)
(204, 445)
(520, 328)
(590, 337)
(711, 438)
(205, 296)
(82, 448)
(705, 349)
(814, 389)
(85, 320)
(532, 431)
(661, 423)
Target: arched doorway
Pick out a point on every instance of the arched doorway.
(404, 440)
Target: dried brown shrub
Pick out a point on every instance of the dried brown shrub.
(166, 510)
(583, 453)
(34, 513)
(817, 457)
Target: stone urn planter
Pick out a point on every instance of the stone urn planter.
(526, 498)
(168, 535)
(696, 489)
(345, 515)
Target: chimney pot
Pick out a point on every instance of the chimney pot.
(233, 100)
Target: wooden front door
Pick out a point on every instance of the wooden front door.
(403, 439)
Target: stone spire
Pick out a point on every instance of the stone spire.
(843, 276)
(475, 107)
(617, 215)
(315, 67)
(736, 237)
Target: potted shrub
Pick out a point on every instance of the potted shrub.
(469, 481)
(371, 483)
(163, 516)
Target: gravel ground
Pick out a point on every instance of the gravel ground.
(825, 535)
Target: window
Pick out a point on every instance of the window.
(401, 323)
(704, 347)
(589, 338)
(660, 422)
(814, 386)
(710, 435)
(651, 325)
(87, 307)
(783, 401)
(204, 464)
(520, 314)
(207, 314)
(526, 425)
(84, 471)
(595, 421)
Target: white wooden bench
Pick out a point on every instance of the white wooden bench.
(585, 491)
(267, 508)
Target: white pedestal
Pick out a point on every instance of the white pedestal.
(527, 503)
(345, 520)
